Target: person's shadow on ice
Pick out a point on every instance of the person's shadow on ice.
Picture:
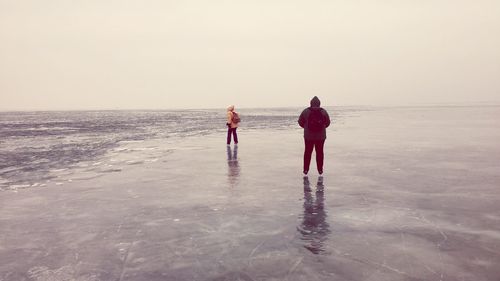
(233, 166)
(314, 229)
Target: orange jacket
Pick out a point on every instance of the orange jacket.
(230, 120)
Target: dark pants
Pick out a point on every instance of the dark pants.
(235, 136)
(318, 146)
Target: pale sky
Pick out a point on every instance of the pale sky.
(160, 54)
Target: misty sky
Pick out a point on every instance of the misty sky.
(103, 54)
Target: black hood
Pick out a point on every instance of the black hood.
(315, 102)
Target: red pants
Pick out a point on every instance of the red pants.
(309, 146)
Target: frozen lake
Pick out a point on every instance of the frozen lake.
(408, 194)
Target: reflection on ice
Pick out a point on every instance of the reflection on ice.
(233, 166)
(314, 229)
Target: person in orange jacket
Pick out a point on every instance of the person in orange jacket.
(232, 124)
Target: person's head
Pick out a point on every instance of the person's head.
(315, 102)
(230, 108)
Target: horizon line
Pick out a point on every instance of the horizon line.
(435, 104)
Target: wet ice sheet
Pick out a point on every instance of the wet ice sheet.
(409, 194)
(35, 144)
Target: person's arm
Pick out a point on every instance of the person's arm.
(327, 119)
(302, 119)
(229, 118)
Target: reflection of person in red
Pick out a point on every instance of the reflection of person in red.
(234, 168)
(231, 125)
(314, 229)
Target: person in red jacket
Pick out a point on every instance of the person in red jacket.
(314, 120)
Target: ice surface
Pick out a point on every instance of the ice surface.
(408, 194)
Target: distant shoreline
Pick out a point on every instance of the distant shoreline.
(433, 105)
